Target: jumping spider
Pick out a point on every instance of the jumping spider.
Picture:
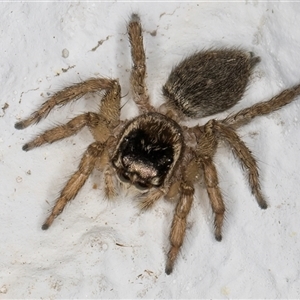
(153, 152)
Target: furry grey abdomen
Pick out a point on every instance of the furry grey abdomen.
(209, 82)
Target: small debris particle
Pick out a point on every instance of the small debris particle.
(253, 134)
(5, 106)
(100, 43)
(225, 291)
(67, 69)
(26, 93)
(64, 70)
(19, 179)
(148, 272)
(95, 186)
(29, 172)
(65, 53)
(153, 33)
(3, 289)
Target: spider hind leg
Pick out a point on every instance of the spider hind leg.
(214, 193)
(247, 160)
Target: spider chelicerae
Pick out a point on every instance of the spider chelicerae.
(153, 152)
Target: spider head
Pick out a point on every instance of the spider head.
(148, 151)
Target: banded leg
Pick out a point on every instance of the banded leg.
(138, 73)
(62, 131)
(247, 160)
(263, 108)
(178, 228)
(214, 194)
(66, 95)
(75, 183)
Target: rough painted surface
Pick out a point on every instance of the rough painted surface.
(101, 249)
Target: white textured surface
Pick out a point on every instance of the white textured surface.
(80, 256)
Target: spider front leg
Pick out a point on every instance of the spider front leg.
(61, 131)
(183, 186)
(66, 95)
(138, 73)
(178, 228)
(75, 183)
(100, 125)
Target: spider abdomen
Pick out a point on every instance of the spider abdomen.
(209, 82)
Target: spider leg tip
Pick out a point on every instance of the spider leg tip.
(263, 204)
(218, 237)
(19, 125)
(168, 270)
(135, 17)
(45, 226)
(25, 147)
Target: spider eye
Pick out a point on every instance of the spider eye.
(124, 177)
(141, 186)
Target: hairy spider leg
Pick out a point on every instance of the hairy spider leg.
(77, 180)
(207, 141)
(66, 95)
(61, 131)
(248, 161)
(178, 227)
(244, 116)
(100, 125)
(214, 194)
(138, 72)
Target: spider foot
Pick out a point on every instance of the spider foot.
(26, 147)
(171, 259)
(48, 222)
(219, 217)
(218, 237)
(169, 269)
(262, 203)
(34, 118)
(20, 125)
(45, 226)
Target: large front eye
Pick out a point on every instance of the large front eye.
(124, 177)
(142, 186)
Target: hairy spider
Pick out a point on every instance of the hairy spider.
(153, 152)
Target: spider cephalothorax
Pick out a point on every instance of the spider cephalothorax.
(146, 159)
(153, 152)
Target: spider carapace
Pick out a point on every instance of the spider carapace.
(154, 152)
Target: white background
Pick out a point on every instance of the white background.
(102, 249)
